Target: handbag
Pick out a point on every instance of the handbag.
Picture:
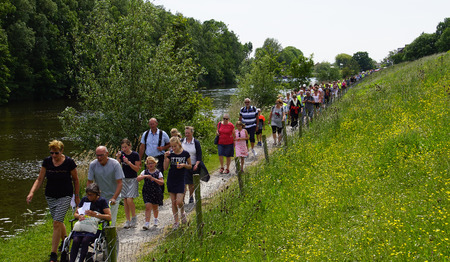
(216, 139)
(89, 224)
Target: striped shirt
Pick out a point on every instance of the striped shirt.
(249, 116)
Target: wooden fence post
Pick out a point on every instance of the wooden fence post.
(112, 244)
(198, 206)
(266, 151)
(239, 174)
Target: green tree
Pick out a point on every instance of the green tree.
(348, 65)
(326, 72)
(423, 45)
(364, 61)
(259, 84)
(443, 43)
(301, 70)
(125, 78)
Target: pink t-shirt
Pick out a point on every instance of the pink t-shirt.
(226, 134)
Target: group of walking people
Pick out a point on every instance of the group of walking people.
(112, 179)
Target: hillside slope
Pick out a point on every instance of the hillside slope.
(369, 180)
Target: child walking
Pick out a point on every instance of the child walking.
(151, 191)
(240, 142)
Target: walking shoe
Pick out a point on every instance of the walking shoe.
(254, 153)
(156, 222)
(133, 221)
(127, 224)
(191, 200)
(53, 257)
(259, 144)
(176, 226)
(183, 218)
(146, 226)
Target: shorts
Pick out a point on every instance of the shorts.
(130, 187)
(251, 133)
(58, 207)
(226, 150)
(276, 129)
(259, 131)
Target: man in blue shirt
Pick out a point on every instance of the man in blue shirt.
(154, 142)
(249, 116)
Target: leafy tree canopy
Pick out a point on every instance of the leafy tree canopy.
(364, 61)
(326, 72)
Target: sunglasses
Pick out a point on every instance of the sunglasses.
(100, 155)
(54, 153)
(225, 118)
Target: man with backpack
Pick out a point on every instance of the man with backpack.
(154, 142)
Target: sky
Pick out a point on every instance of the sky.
(324, 28)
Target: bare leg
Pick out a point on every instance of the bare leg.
(221, 161)
(127, 209)
(228, 162)
(131, 206)
(173, 199)
(148, 211)
(155, 211)
(58, 233)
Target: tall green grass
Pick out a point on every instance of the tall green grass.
(368, 181)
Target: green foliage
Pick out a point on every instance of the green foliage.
(126, 79)
(301, 70)
(443, 43)
(423, 45)
(326, 72)
(348, 65)
(288, 55)
(5, 59)
(364, 61)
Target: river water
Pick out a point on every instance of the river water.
(26, 129)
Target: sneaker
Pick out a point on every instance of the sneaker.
(191, 200)
(259, 144)
(254, 153)
(183, 218)
(176, 226)
(146, 226)
(127, 224)
(133, 221)
(274, 143)
(156, 222)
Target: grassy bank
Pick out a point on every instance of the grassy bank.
(368, 181)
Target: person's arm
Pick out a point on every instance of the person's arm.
(188, 165)
(159, 181)
(136, 166)
(246, 135)
(141, 176)
(166, 160)
(76, 185)
(141, 150)
(270, 117)
(37, 184)
(117, 193)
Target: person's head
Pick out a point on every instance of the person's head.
(102, 154)
(151, 162)
(240, 125)
(279, 102)
(288, 95)
(175, 142)
(125, 145)
(56, 148)
(247, 102)
(188, 132)
(226, 118)
(92, 192)
(153, 124)
(174, 132)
